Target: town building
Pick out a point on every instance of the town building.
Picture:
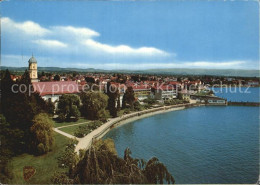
(253, 83)
(142, 92)
(164, 92)
(211, 100)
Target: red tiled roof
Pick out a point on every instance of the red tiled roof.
(58, 87)
(165, 87)
(174, 83)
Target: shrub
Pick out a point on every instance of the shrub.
(86, 129)
(138, 106)
(68, 158)
(150, 101)
(61, 117)
(40, 148)
(127, 111)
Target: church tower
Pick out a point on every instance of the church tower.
(33, 69)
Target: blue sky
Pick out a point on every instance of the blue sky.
(131, 34)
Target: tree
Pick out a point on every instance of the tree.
(68, 106)
(90, 79)
(56, 78)
(6, 91)
(20, 106)
(9, 138)
(50, 107)
(129, 97)
(118, 103)
(94, 105)
(112, 93)
(101, 165)
(42, 134)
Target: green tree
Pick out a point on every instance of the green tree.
(90, 80)
(42, 134)
(129, 97)
(94, 105)
(101, 165)
(56, 78)
(68, 106)
(9, 139)
(112, 93)
(50, 107)
(20, 106)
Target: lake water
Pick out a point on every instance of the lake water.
(250, 94)
(213, 144)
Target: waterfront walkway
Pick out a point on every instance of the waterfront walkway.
(85, 142)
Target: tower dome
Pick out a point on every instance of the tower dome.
(33, 69)
(32, 60)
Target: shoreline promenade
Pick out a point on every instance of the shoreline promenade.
(85, 142)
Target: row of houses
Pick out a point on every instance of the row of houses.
(159, 90)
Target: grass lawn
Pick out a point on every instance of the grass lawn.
(45, 165)
(60, 124)
(72, 129)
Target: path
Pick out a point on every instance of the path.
(64, 133)
(73, 124)
(85, 142)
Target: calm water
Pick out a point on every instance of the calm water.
(250, 94)
(198, 145)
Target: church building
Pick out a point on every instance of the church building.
(33, 69)
(51, 90)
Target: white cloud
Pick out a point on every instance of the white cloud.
(123, 49)
(205, 64)
(71, 40)
(27, 27)
(75, 31)
(50, 43)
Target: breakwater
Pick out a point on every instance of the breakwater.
(255, 104)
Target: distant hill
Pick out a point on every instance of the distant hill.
(171, 71)
(214, 72)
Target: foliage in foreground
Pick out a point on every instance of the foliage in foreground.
(101, 165)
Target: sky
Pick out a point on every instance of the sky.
(131, 34)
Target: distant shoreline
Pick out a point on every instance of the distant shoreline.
(166, 71)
